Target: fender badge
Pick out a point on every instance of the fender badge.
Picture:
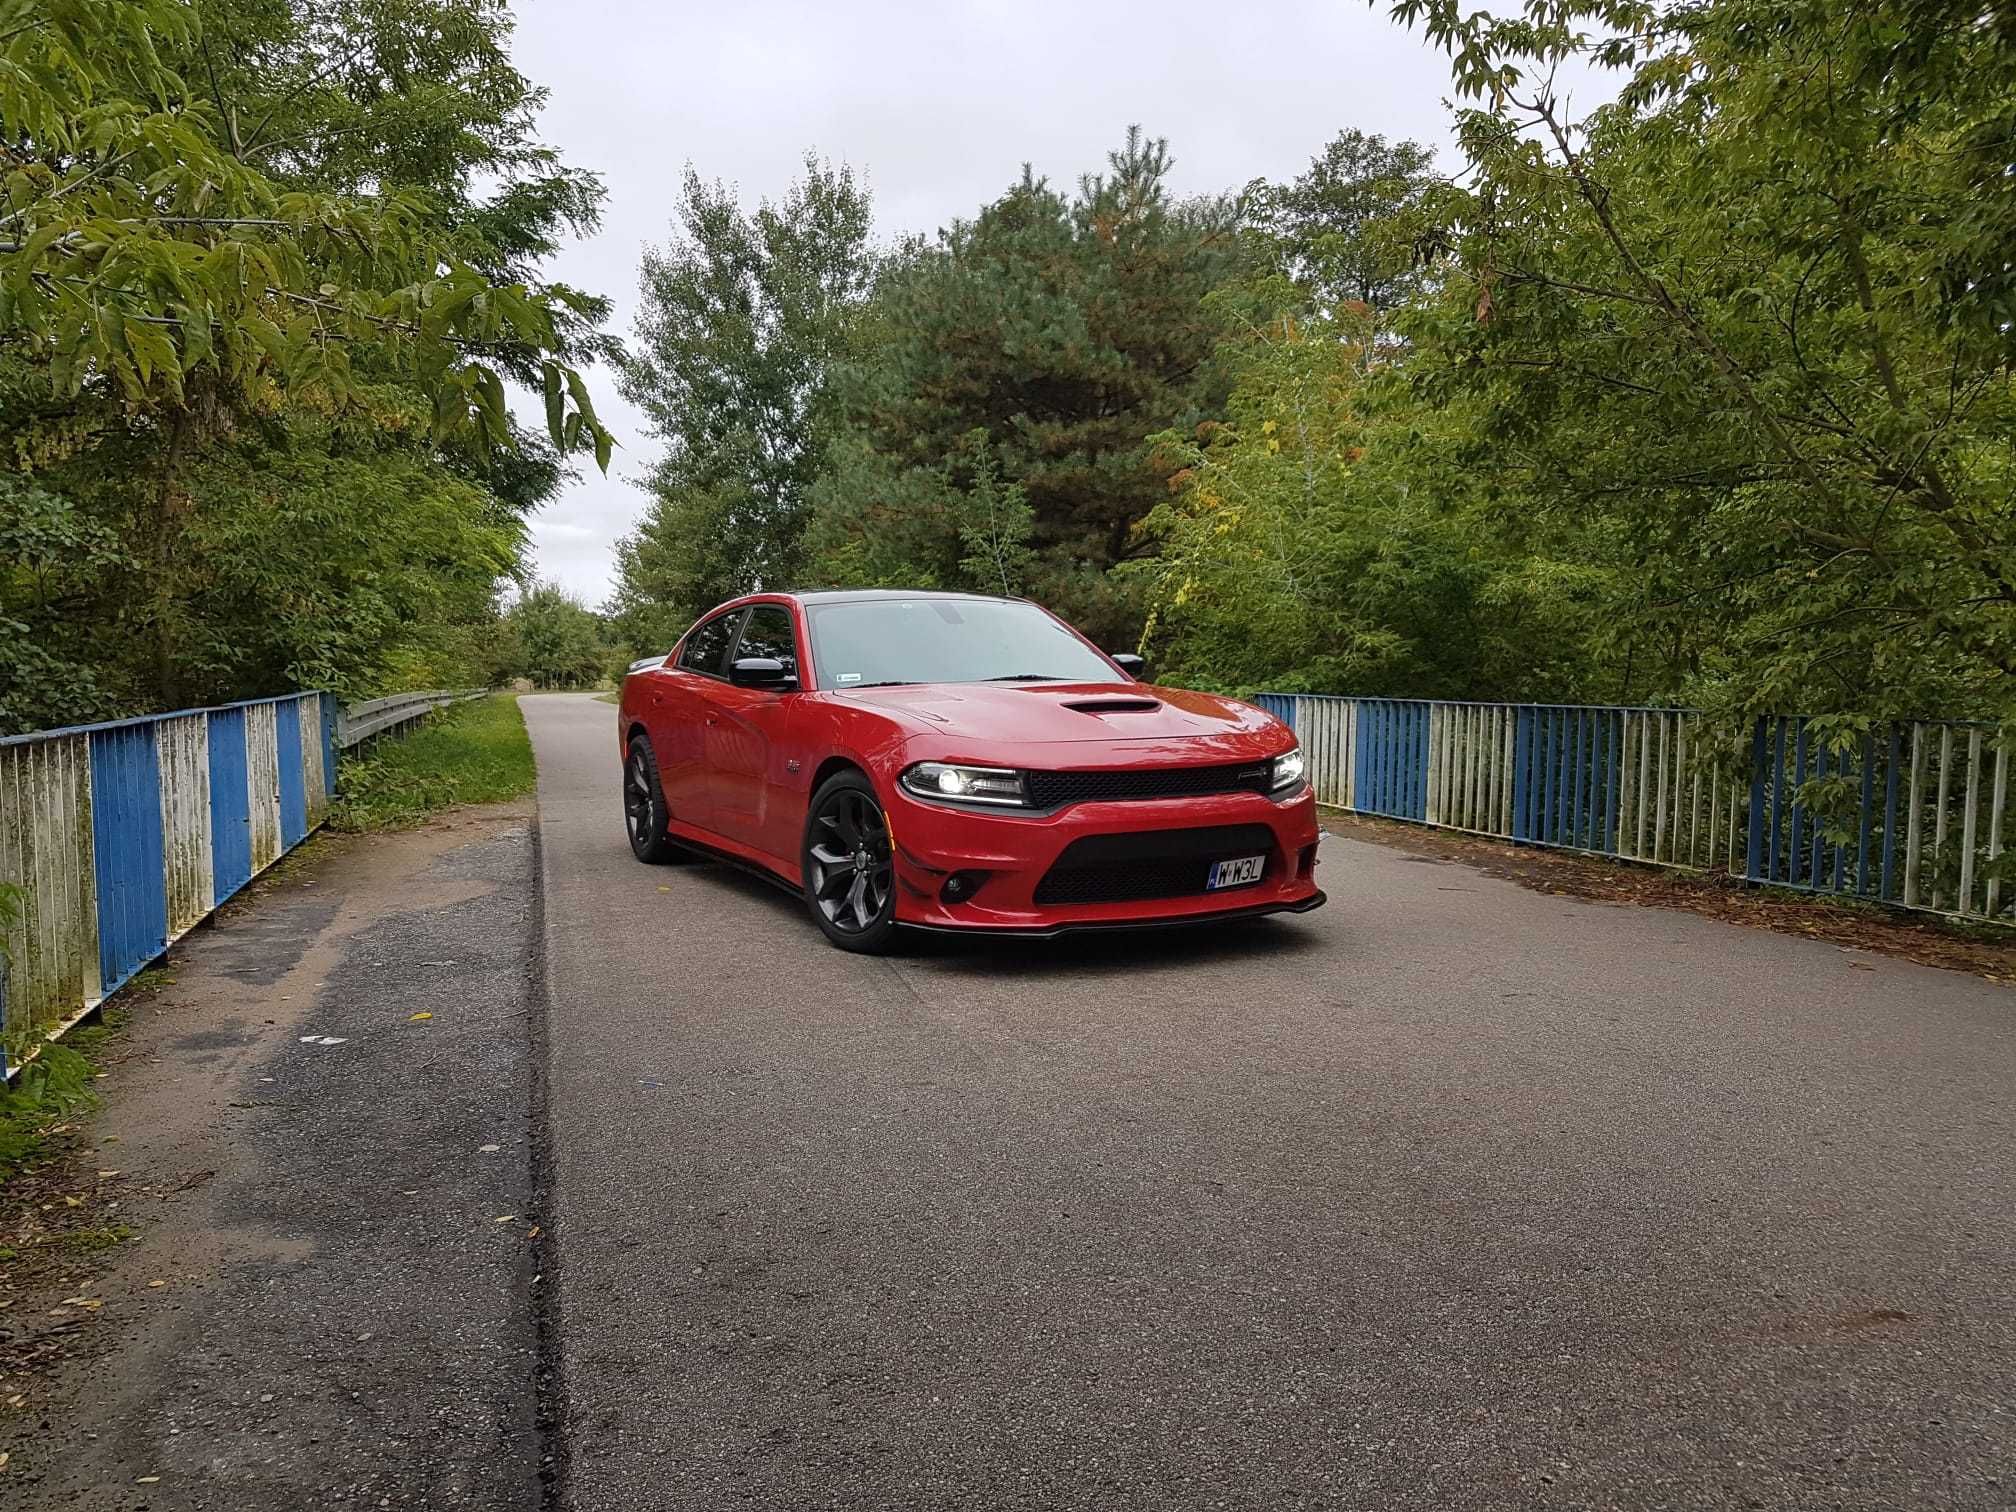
(791, 766)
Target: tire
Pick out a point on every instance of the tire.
(850, 878)
(644, 811)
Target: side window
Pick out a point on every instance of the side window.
(707, 647)
(769, 633)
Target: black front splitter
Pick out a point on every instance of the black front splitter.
(1119, 926)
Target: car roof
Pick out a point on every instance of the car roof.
(870, 595)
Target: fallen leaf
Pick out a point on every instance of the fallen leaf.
(18, 1399)
(532, 1232)
(73, 1202)
(416, 1018)
(157, 1283)
(664, 889)
(146, 1480)
(103, 1174)
(507, 1218)
(3, 1461)
(488, 1149)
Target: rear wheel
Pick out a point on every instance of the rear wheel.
(849, 865)
(644, 811)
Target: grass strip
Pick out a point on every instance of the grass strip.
(475, 752)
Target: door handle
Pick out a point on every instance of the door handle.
(712, 720)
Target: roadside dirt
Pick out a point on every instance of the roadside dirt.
(180, 1248)
(1986, 951)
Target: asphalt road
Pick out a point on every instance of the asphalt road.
(1452, 1194)
(317, 1122)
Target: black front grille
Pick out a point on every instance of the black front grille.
(1147, 864)
(1049, 790)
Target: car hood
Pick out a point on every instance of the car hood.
(1064, 713)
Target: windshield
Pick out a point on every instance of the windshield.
(876, 642)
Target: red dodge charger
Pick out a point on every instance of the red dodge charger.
(948, 761)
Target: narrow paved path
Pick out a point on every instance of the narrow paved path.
(1450, 1195)
(310, 1135)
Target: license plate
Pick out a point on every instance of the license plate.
(1234, 873)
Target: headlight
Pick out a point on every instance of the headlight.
(946, 783)
(1288, 770)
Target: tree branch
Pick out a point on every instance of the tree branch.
(291, 96)
(1662, 297)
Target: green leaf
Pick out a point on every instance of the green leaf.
(555, 404)
(496, 407)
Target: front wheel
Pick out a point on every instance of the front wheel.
(849, 865)
(644, 811)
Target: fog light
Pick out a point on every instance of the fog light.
(961, 885)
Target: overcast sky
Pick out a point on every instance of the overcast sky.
(937, 106)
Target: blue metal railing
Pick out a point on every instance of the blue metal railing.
(122, 836)
(1910, 813)
(119, 837)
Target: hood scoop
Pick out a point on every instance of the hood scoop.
(1114, 705)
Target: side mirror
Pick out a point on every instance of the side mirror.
(759, 672)
(1131, 664)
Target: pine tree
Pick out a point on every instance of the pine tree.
(1066, 330)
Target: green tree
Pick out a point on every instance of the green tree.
(743, 316)
(150, 251)
(1319, 540)
(1066, 330)
(995, 523)
(50, 652)
(554, 639)
(1347, 229)
(1748, 328)
(254, 301)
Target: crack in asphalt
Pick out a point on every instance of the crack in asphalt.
(550, 1379)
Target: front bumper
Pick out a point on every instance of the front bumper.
(934, 842)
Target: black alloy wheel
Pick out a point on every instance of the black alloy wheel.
(849, 868)
(644, 811)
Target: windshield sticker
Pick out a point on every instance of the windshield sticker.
(847, 677)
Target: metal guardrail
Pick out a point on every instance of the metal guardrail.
(361, 721)
(1908, 814)
(119, 838)
(122, 837)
